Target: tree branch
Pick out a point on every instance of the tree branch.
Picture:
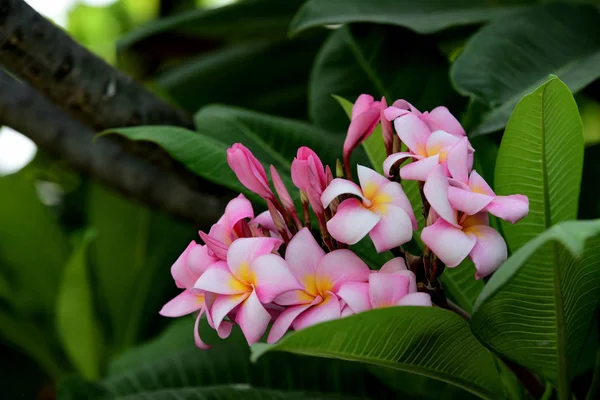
(50, 128)
(71, 76)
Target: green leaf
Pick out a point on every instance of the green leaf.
(425, 16)
(75, 315)
(132, 253)
(513, 55)
(273, 140)
(368, 59)
(422, 340)
(528, 314)
(540, 315)
(172, 362)
(461, 286)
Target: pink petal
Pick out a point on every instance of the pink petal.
(360, 128)
(450, 244)
(236, 210)
(391, 113)
(440, 142)
(218, 279)
(489, 251)
(412, 287)
(283, 323)
(199, 260)
(436, 193)
(243, 251)
(338, 187)
(352, 221)
(458, 161)
(253, 319)
(184, 277)
(295, 297)
(393, 229)
(249, 170)
(399, 199)
(387, 129)
(479, 185)
(385, 290)
(222, 306)
(356, 296)
(197, 340)
(467, 201)
(265, 220)
(338, 267)
(347, 311)
(396, 264)
(363, 103)
(224, 328)
(413, 132)
(303, 254)
(510, 208)
(184, 303)
(281, 190)
(416, 299)
(215, 246)
(418, 170)
(370, 180)
(392, 160)
(329, 309)
(272, 277)
(441, 118)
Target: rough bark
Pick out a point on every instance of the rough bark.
(72, 77)
(26, 111)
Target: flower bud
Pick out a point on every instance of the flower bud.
(249, 170)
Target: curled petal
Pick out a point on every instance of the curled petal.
(396, 264)
(356, 296)
(418, 170)
(413, 132)
(236, 210)
(338, 187)
(303, 254)
(478, 185)
(436, 192)
(352, 221)
(510, 208)
(412, 287)
(295, 297)
(370, 181)
(361, 127)
(216, 248)
(218, 279)
(386, 290)
(199, 260)
(396, 193)
(392, 162)
(183, 275)
(197, 340)
(264, 220)
(252, 318)
(450, 244)
(283, 323)
(393, 229)
(184, 303)
(489, 251)
(243, 251)
(272, 277)
(329, 309)
(338, 267)
(441, 118)
(458, 161)
(467, 201)
(222, 306)
(392, 112)
(416, 299)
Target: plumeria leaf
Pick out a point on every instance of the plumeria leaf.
(537, 308)
(425, 16)
(513, 55)
(76, 319)
(420, 340)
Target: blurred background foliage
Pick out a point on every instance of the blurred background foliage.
(83, 271)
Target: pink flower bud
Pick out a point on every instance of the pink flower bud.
(365, 117)
(387, 131)
(309, 176)
(249, 170)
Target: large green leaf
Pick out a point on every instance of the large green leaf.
(529, 317)
(513, 55)
(426, 341)
(132, 254)
(75, 313)
(540, 315)
(273, 140)
(172, 362)
(381, 61)
(424, 16)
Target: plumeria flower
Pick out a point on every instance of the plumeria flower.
(320, 276)
(439, 118)
(251, 278)
(190, 265)
(476, 195)
(392, 285)
(227, 229)
(381, 210)
(473, 237)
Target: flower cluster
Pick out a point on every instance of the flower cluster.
(273, 269)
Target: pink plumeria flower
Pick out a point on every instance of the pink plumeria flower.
(227, 228)
(308, 174)
(249, 171)
(190, 265)
(321, 276)
(439, 118)
(251, 278)
(382, 210)
(366, 114)
(392, 285)
(473, 237)
(476, 195)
